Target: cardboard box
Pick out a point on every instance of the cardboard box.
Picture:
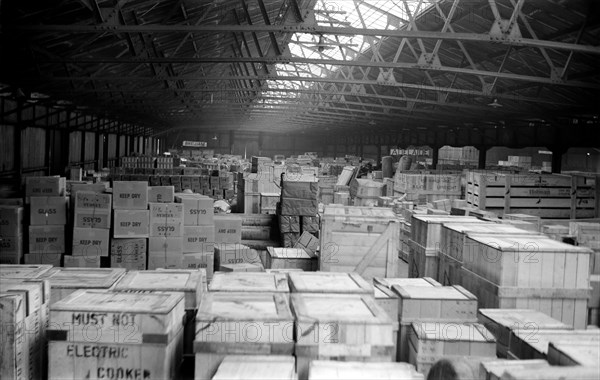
(228, 229)
(166, 219)
(200, 260)
(48, 211)
(165, 245)
(161, 194)
(130, 195)
(308, 242)
(159, 260)
(54, 259)
(198, 239)
(11, 221)
(45, 186)
(46, 239)
(198, 210)
(93, 201)
(131, 223)
(90, 242)
(128, 253)
(235, 254)
(81, 261)
(11, 249)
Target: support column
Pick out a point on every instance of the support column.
(482, 156)
(97, 146)
(18, 163)
(435, 156)
(231, 141)
(557, 154)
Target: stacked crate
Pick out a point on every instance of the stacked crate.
(531, 273)
(131, 227)
(165, 246)
(65, 281)
(427, 187)
(333, 370)
(291, 258)
(298, 199)
(256, 367)
(11, 234)
(137, 336)
(198, 232)
(534, 219)
(533, 343)
(251, 185)
(47, 220)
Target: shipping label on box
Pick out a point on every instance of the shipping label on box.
(81, 261)
(166, 211)
(45, 186)
(128, 253)
(130, 195)
(198, 239)
(131, 223)
(54, 259)
(89, 200)
(201, 260)
(161, 194)
(235, 254)
(90, 242)
(46, 239)
(228, 229)
(48, 211)
(11, 221)
(198, 210)
(166, 219)
(170, 261)
(11, 249)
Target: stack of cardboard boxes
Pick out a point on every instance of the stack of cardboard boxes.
(11, 234)
(165, 247)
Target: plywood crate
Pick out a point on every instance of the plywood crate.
(151, 350)
(188, 282)
(347, 327)
(329, 282)
(359, 239)
(23, 271)
(543, 195)
(256, 367)
(431, 341)
(243, 324)
(568, 305)
(64, 281)
(13, 352)
(252, 282)
(335, 370)
(291, 258)
(552, 373)
(501, 322)
(574, 354)
(494, 369)
(533, 343)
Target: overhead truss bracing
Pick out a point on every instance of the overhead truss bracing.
(289, 65)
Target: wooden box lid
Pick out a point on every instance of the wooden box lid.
(327, 308)
(329, 282)
(249, 282)
(23, 271)
(225, 306)
(78, 278)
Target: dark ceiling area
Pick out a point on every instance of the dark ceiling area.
(307, 65)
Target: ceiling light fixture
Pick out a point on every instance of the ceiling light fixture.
(215, 137)
(495, 104)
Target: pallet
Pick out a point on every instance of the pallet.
(329, 283)
(251, 282)
(533, 344)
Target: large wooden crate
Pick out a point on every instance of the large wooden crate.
(551, 373)
(431, 341)
(23, 271)
(501, 322)
(575, 353)
(389, 282)
(249, 282)
(329, 282)
(242, 324)
(64, 281)
(291, 258)
(494, 369)
(256, 367)
(543, 195)
(335, 370)
(342, 326)
(359, 239)
(425, 184)
(13, 351)
(533, 343)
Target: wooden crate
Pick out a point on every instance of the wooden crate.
(335, 370)
(242, 267)
(242, 324)
(64, 281)
(533, 344)
(329, 282)
(256, 367)
(13, 352)
(359, 239)
(389, 282)
(501, 322)
(387, 300)
(552, 373)
(23, 271)
(268, 202)
(431, 341)
(342, 326)
(291, 258)
(251, 282)
(568, 305)
(543, 195)
(494, 369)
(157, 317)
(574, 353)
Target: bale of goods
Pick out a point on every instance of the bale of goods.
(494, 369)
(299, 197)
(543, 195)
(291, 258)
(574, 354)
(64, 281)
(188, 282)
(347, 327)
(359, 239)
(432, 341)
(534, 343)
(501, 323)
(329, 282)
(242, 282)
(256, 367)
(242, 324)
(521, 272)
(136, 335)
(335, 370)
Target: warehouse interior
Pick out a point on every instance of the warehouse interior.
(380, 146)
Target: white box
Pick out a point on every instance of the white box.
(170, 261)
(228, 229)
(81, 261)
(128, 253)
(166, 219)
(48, 211)
(131, 224)
(161, 194)
(198, 239)
(46, 239)
(198, 209)
(90, 242)
(130, 195)
(165, 245)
